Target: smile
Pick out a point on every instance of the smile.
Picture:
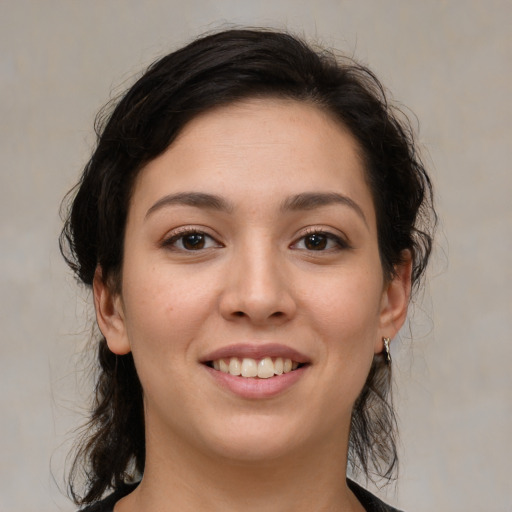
(255, 371)
(263, 368)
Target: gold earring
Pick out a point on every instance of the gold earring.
(387, 350)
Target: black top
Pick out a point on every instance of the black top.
(370, 502)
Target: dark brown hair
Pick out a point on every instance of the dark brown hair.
(217, 70)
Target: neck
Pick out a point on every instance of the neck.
(181, 478)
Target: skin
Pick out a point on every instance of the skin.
(257, 279)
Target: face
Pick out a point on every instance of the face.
(251, 247)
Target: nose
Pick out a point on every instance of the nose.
(257, 288)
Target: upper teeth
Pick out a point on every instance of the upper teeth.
(263, 368)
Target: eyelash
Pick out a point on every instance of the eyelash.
(182, 233)
(340, 243)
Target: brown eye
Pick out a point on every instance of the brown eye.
(193, 241)
(189, 241)
(321, 241)
(316, 242)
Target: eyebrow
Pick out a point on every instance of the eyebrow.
(304, 201)
(312, 200)
(197, 199)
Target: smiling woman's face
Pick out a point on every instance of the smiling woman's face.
(251, 246)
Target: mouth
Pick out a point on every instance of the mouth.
(255, 371)
(250, 368)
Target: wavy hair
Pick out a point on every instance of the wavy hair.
(215, 70)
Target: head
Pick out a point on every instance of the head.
(222, 71)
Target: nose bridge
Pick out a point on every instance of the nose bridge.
(256, 285)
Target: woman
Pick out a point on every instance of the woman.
(251, 222)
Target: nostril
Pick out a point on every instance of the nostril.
(276, 314)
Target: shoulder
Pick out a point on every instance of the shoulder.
(107, 504)
(370, 502)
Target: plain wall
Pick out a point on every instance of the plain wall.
(450, 62)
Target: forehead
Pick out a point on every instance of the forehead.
(272, 126)
(259, 149)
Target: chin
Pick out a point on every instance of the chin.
(255, 439)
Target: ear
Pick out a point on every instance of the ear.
(395, 301)
(110, 315)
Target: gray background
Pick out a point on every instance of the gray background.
(449, 61)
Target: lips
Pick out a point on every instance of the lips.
(256, 371)
(257, 352)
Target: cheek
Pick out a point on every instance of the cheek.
(344, 318)
(346, 305)
(164, 311)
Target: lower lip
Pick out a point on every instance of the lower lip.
(255, 388)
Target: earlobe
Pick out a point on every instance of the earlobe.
(110, 315)
(395, 301)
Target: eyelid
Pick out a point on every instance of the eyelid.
(174, 235)
(339, 238)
